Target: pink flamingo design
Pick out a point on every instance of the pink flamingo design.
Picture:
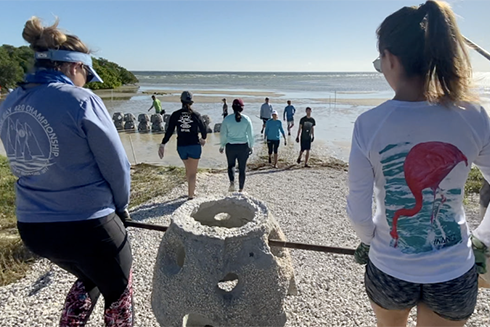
(426, 165)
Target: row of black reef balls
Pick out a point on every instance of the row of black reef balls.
(156, 123)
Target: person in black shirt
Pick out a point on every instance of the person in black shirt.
(306, 129)
(189, 146)
(225, 109)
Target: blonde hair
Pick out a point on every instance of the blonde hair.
(429, 44)
(43, 38)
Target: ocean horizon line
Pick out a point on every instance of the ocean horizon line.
(251, 72)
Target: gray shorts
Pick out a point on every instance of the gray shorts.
(453, 300)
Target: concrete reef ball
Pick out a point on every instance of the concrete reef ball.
(215, 268)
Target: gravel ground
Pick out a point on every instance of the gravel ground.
(309, 206)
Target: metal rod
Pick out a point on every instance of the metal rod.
(132, 149)
(275, 243)
(477, 48)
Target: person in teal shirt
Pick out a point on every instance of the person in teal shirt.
(237, 137)
(272, 129)
(157, 105)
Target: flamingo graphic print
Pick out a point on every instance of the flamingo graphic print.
(418, 211)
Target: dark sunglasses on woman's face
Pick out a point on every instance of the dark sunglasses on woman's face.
(89, 75)
(377, 64)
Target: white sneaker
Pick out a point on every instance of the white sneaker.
(231, 188)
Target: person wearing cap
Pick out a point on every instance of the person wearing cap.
(272, 129)
(307, 132)
(73, 185)
(265, 113)
(289, 112)
(189, 124)
(157, 105)
(225, 108)
(237, 137)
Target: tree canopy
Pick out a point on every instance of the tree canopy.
(16, 62)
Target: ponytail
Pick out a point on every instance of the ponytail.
(238, 115)
(188, 107)
(237, 109)
(429, 44)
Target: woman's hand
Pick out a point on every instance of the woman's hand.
(161, 150)
(221, 149)
(361, 256)
(480, 251)
(202, 142)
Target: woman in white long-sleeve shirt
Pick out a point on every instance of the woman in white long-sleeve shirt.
(237, 137)
(416, 152)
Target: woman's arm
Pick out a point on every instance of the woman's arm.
(361, 183)
(250, 133)
(201, 126)
(223, 134)
(172, 123)
(108, 151)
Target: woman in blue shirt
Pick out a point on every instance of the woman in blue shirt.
(237, 136)
(272, 129)
(73, 175)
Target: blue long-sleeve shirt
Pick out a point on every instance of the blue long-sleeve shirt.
(62, 145)
(272, 130)
(289, 112)
(234, 132)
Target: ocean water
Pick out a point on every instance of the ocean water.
(316, 90)
(320, 91)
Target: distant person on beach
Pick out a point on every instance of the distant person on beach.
(306, 135)
(288, 116)
(225, 108)
(157, 105)
(273, 131)
(73, 185)
(413, 154)
(238, 141)
(265, 113)
(189, 124)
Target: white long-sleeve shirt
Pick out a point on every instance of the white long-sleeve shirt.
(416, 158)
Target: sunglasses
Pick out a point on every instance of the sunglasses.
(377, 64)
(89, 75)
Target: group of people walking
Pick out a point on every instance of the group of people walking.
(412, 154)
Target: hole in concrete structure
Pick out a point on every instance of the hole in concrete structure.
(174, 257)
(196, 320)
(228, 283)
(223, 213)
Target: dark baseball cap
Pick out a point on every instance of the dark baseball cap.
(186, 97)
(238, 103)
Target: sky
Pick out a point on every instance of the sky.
(269, 36)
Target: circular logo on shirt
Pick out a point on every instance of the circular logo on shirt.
(29, 140)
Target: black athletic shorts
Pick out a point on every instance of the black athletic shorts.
(97, 251)
(453, 300)
(305, 145)
(273, 145)
(264, 120)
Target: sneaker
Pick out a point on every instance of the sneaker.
(231, 188)
(275, 166)
(306, 166)
(289, 134)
